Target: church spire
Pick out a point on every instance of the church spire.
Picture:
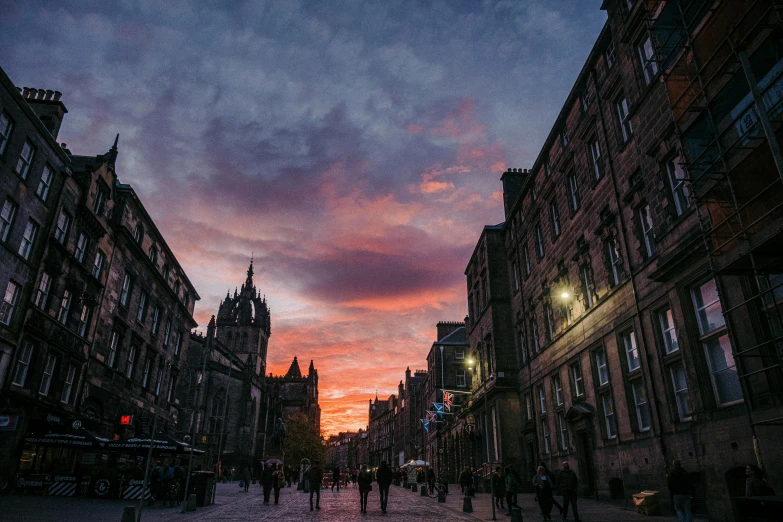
(249, 280)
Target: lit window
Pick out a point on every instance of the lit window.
(65, 396)
(7, 216)
(23, 364)
(25, 160)
(6, 127)
(631, 351)
(26, 246)
(9, 302)
(46, 378)
(61, 232)
(46, 182)
(647, 59)
(642, 406)
(677, 185)
(42, 295)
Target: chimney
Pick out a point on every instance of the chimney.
(512, 179)
(447, 327)
(47, 106)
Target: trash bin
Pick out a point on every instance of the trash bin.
(202, 483)
(647, 503)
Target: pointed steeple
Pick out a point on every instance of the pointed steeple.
(111, 156)
(293, 370)
(249, 280)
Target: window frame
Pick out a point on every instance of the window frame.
(648, 64)
(577, 378)
(70, 376)
(644, 216)
(114, 346)
(126, 290)
(668, 332)
(130, 363)
(624, 117)
(7, 218)
(23, 364)
(610, 426)
(539, 239)
(541, 400)
(47, 375)
(599, 354)
(563, 431)
(84, 320)
(545, 436)
(65, 307)
(636, 386)
(63, 227)
(616, 270)
(677, 186)
(594, 147)
(5, 133)
(43, 290)
(45, 183)
(81, 247)
(97, 264)
(23, 164)
(574, 201)
(609, 55)
(27, 243)
(554, 214)
(8, 305)
(682, 409)
(141, 311)
(630, 335)
(557, 386)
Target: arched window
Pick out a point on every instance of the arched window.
(153, 254)
(218, 403)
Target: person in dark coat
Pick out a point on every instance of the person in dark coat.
(431, 480)
(679, 482)
(498, 488)
(247, 477)
(278, 480)
(552, 482)
(512, 485)
(465, 480)
(755, 485)
(384, 478)
(266, 481)
(336, 478)
(365, 486)
(544, 492)
(568, 483)
(315, 475)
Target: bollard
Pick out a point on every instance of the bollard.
(129, 514)
(423, 490)
(516, 515)
(441, 496)
(191, 505)
(300, 486)
(467, 505)
(414, 488)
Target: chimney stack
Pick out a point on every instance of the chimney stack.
(47, 106)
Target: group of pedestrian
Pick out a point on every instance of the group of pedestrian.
(273, 478)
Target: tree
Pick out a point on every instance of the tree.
(302, 440)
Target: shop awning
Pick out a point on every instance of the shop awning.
(161, 444)
(69, 439)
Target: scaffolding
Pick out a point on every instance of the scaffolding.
(722, 64)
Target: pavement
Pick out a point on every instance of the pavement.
(233, 504)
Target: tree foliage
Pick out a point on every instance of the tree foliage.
(302, 440)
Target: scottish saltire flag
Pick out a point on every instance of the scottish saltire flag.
(426, 425)
(438, 409)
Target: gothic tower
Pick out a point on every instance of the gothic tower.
(243, 324)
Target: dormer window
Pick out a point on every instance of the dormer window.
(101, 195)
(153, 254)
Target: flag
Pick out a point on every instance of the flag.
(431, 416)
(438, 409)
(426, 425)
(448, 400)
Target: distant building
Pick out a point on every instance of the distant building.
(298, 393)
(381, 432)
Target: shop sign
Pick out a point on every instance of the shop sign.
(126, 420)
(102, 487)
(53, 418)
(8, 422)
(77, 424)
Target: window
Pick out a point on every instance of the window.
(167, 332)
(647, 59)
(7, 216)
(716, 343)
(65, 396)
(646, 227)
(563, 431)
(138, 234)
(177, 341)
(541, 400)
(155, 320)
(534, 335)
(23, 364)
(555, 215)
(26, 246)
(584, 100)
(131, 362)
(615, 261)
(522, 346)
(668, 332)
(126, 289)
(564, 137)
(588, 287)
(526, 259)
(461, 383)
(609, 55)
(601, 367)
(629, 4)
(529, 405)
(642, 406)
(81, 246)
(558, 389)
(573, 192)
(576, 375)
(9, 302)
(6, 127)
(459, 353)
(539, 242)
(145, 378)
(625, 119)
(534, 192)
(610, 421)
(680, 192)
(681, 395)
(545, 436)
(97, 265)
(153, 254)
(549, 322)
(166, 272)
(100, 200)
(141, 312)
(46, 182)
(65, 307)
(595, 158)
(84, 320)
(170, 392)
(515, 270)
(42, 295)
(25, 160)
(631, 351)
(176, 288)
(111, 357)
(46, 378)
(61, 232)
(159, 380)
(547, 169)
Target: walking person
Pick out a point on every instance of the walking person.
(568, 483)
(544, 492)
(247, 477)
(431, 480)
(266, 481)
(679, 482)
(354, 475)
(315, 476)
(512, 485)
(552, 483)
(465, 480)
(278, 480)
(384, 478)
(365, 486)
(498, 488)
(336, 478)
(755, 485)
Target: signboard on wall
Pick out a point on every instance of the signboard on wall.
(8, 422)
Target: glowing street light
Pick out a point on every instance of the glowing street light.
(565, 295)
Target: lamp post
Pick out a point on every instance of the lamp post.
(194, 424)
(486, 427)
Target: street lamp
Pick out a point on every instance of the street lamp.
(564, 294)
(486, 423)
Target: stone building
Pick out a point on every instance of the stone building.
(380, 432)
(298, 393)
(409, 432)
(343, 450)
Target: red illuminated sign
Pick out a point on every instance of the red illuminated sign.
(126, 420)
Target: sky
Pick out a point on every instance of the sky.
(354, 148)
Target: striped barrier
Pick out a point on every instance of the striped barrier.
(62, 489)
(132, 491)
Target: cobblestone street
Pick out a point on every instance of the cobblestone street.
(233, 504)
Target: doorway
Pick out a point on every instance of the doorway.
(586, 468)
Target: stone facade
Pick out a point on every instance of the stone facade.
(298, 393)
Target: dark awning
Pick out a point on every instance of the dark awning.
(69, 439)
(161, 444)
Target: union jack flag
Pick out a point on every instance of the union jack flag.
(448, 400)
(431, 416)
